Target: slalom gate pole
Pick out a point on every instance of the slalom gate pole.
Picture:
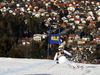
(48, 52)
(48, 43)
(52, 66)
(59, 37)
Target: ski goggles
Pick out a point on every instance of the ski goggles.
(60, 48)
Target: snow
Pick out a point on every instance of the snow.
(15, 66)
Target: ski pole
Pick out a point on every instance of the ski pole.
(51, 66)
(83, 60)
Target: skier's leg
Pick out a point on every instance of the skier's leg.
(70, 64)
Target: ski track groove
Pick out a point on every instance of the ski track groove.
(25, 68)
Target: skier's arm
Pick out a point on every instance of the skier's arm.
(55, 57)
(66, 52)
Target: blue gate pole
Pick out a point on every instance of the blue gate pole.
(48, 52)
(48, 43)
(59, 37)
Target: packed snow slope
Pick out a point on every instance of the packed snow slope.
(14, 66)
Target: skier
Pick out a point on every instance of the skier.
(60, 57)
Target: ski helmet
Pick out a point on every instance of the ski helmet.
(60, 47)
